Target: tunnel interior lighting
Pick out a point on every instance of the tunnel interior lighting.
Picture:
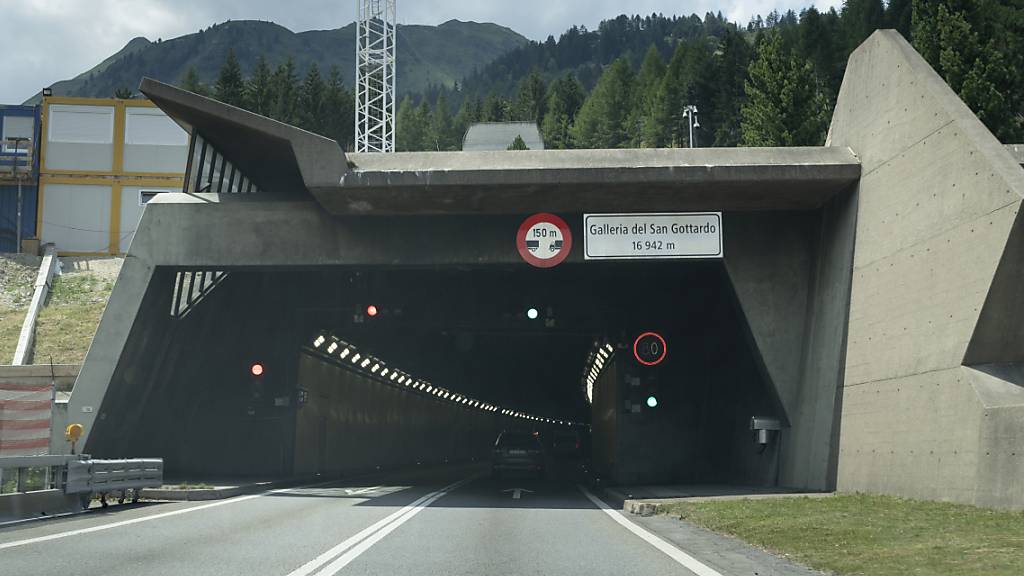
(384, 372)
(401, 379)
(365, 363)
(532, 313)
(394, 375)
(332, 347)
(319, 341)
(345, 353)
(356, 358)
(375, 368)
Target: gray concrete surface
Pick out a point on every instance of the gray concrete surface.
(477, 529)
(937, 205)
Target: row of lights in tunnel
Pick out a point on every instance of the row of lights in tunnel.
(376, 368)
(596, 362)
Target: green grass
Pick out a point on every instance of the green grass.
(66, 325)
(194, 486)
(878, 535)
(10, 328)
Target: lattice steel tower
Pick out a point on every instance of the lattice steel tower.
(375, 76)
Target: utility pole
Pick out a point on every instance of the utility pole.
(691, 117)
(375, 76)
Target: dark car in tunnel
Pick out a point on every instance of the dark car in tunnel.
(517, 451)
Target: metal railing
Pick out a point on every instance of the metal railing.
(78, 474)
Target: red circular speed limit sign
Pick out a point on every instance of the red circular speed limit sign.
(544, 240)
(649, 349)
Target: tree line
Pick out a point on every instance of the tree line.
(772, 82)
(321, 105)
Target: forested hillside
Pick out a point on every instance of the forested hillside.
(770, 82)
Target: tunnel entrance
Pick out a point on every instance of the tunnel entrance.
(520, 343)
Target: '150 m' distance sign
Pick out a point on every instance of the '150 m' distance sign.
(652, 236)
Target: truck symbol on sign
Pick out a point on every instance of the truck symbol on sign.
(533, 245)
(555, 245)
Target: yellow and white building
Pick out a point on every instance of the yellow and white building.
(101, 160)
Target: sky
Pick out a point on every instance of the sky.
(49, 40)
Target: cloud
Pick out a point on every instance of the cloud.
(50, 40)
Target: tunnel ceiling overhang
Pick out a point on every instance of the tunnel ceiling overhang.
(282, 157)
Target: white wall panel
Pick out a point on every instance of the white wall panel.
(131, 211)
(76, 217)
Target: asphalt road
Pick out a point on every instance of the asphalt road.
(453, 521)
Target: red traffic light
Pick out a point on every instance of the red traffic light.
(371, 310)
(256, 369)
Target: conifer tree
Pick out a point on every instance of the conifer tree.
(284, 92)
(643, 132)
(230, 86)
(190, 81)
(785, 106)
(311, 101)
(564, 102)
(518, 144)
(339, 110)
(258, 95)
(601, 122)
(530, 100)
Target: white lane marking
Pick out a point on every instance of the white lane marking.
(361, 490)
(102, 527)
(407, 513)
(517, 492)
(688, 562)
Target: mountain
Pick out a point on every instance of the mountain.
(427, 55)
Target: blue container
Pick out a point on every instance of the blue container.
(9, 185)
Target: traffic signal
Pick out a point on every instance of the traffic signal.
(652, 400)
(256, 369)
(371, 311)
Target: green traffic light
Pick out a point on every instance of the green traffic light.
(652, 401)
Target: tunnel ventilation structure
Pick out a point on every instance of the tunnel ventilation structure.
(190, 287)
(340, 353)
(210, 171)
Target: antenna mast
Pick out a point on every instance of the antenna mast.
(375, 76)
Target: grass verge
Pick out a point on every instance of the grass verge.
(10, 329)
(856, 534)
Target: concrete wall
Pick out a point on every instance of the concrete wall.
(352, 423)
(936, 206)
(790, 272)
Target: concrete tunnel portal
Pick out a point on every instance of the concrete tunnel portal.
(275, 260)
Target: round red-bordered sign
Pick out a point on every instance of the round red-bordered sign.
(655, 353)
(544, 240)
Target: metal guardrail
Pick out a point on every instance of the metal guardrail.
(101, 476)
(79, 474)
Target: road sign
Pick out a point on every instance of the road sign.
(687, 235)
(650, 349)
(544, 240)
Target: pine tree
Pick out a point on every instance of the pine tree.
(496, 109)
(190, 81)
(441, 132)
(412, 125)
(643, 133)
(124, 94)
(978, 49)
(860, 18)
(601, 122)
(230, 86)
(339, 111)
(564, 102)
(284, 92)
(530, 102)
(785, 106)
(258, 92)
(518, 144)
(732, 75)
(311, 101)
(667, 124)
(470, 113)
